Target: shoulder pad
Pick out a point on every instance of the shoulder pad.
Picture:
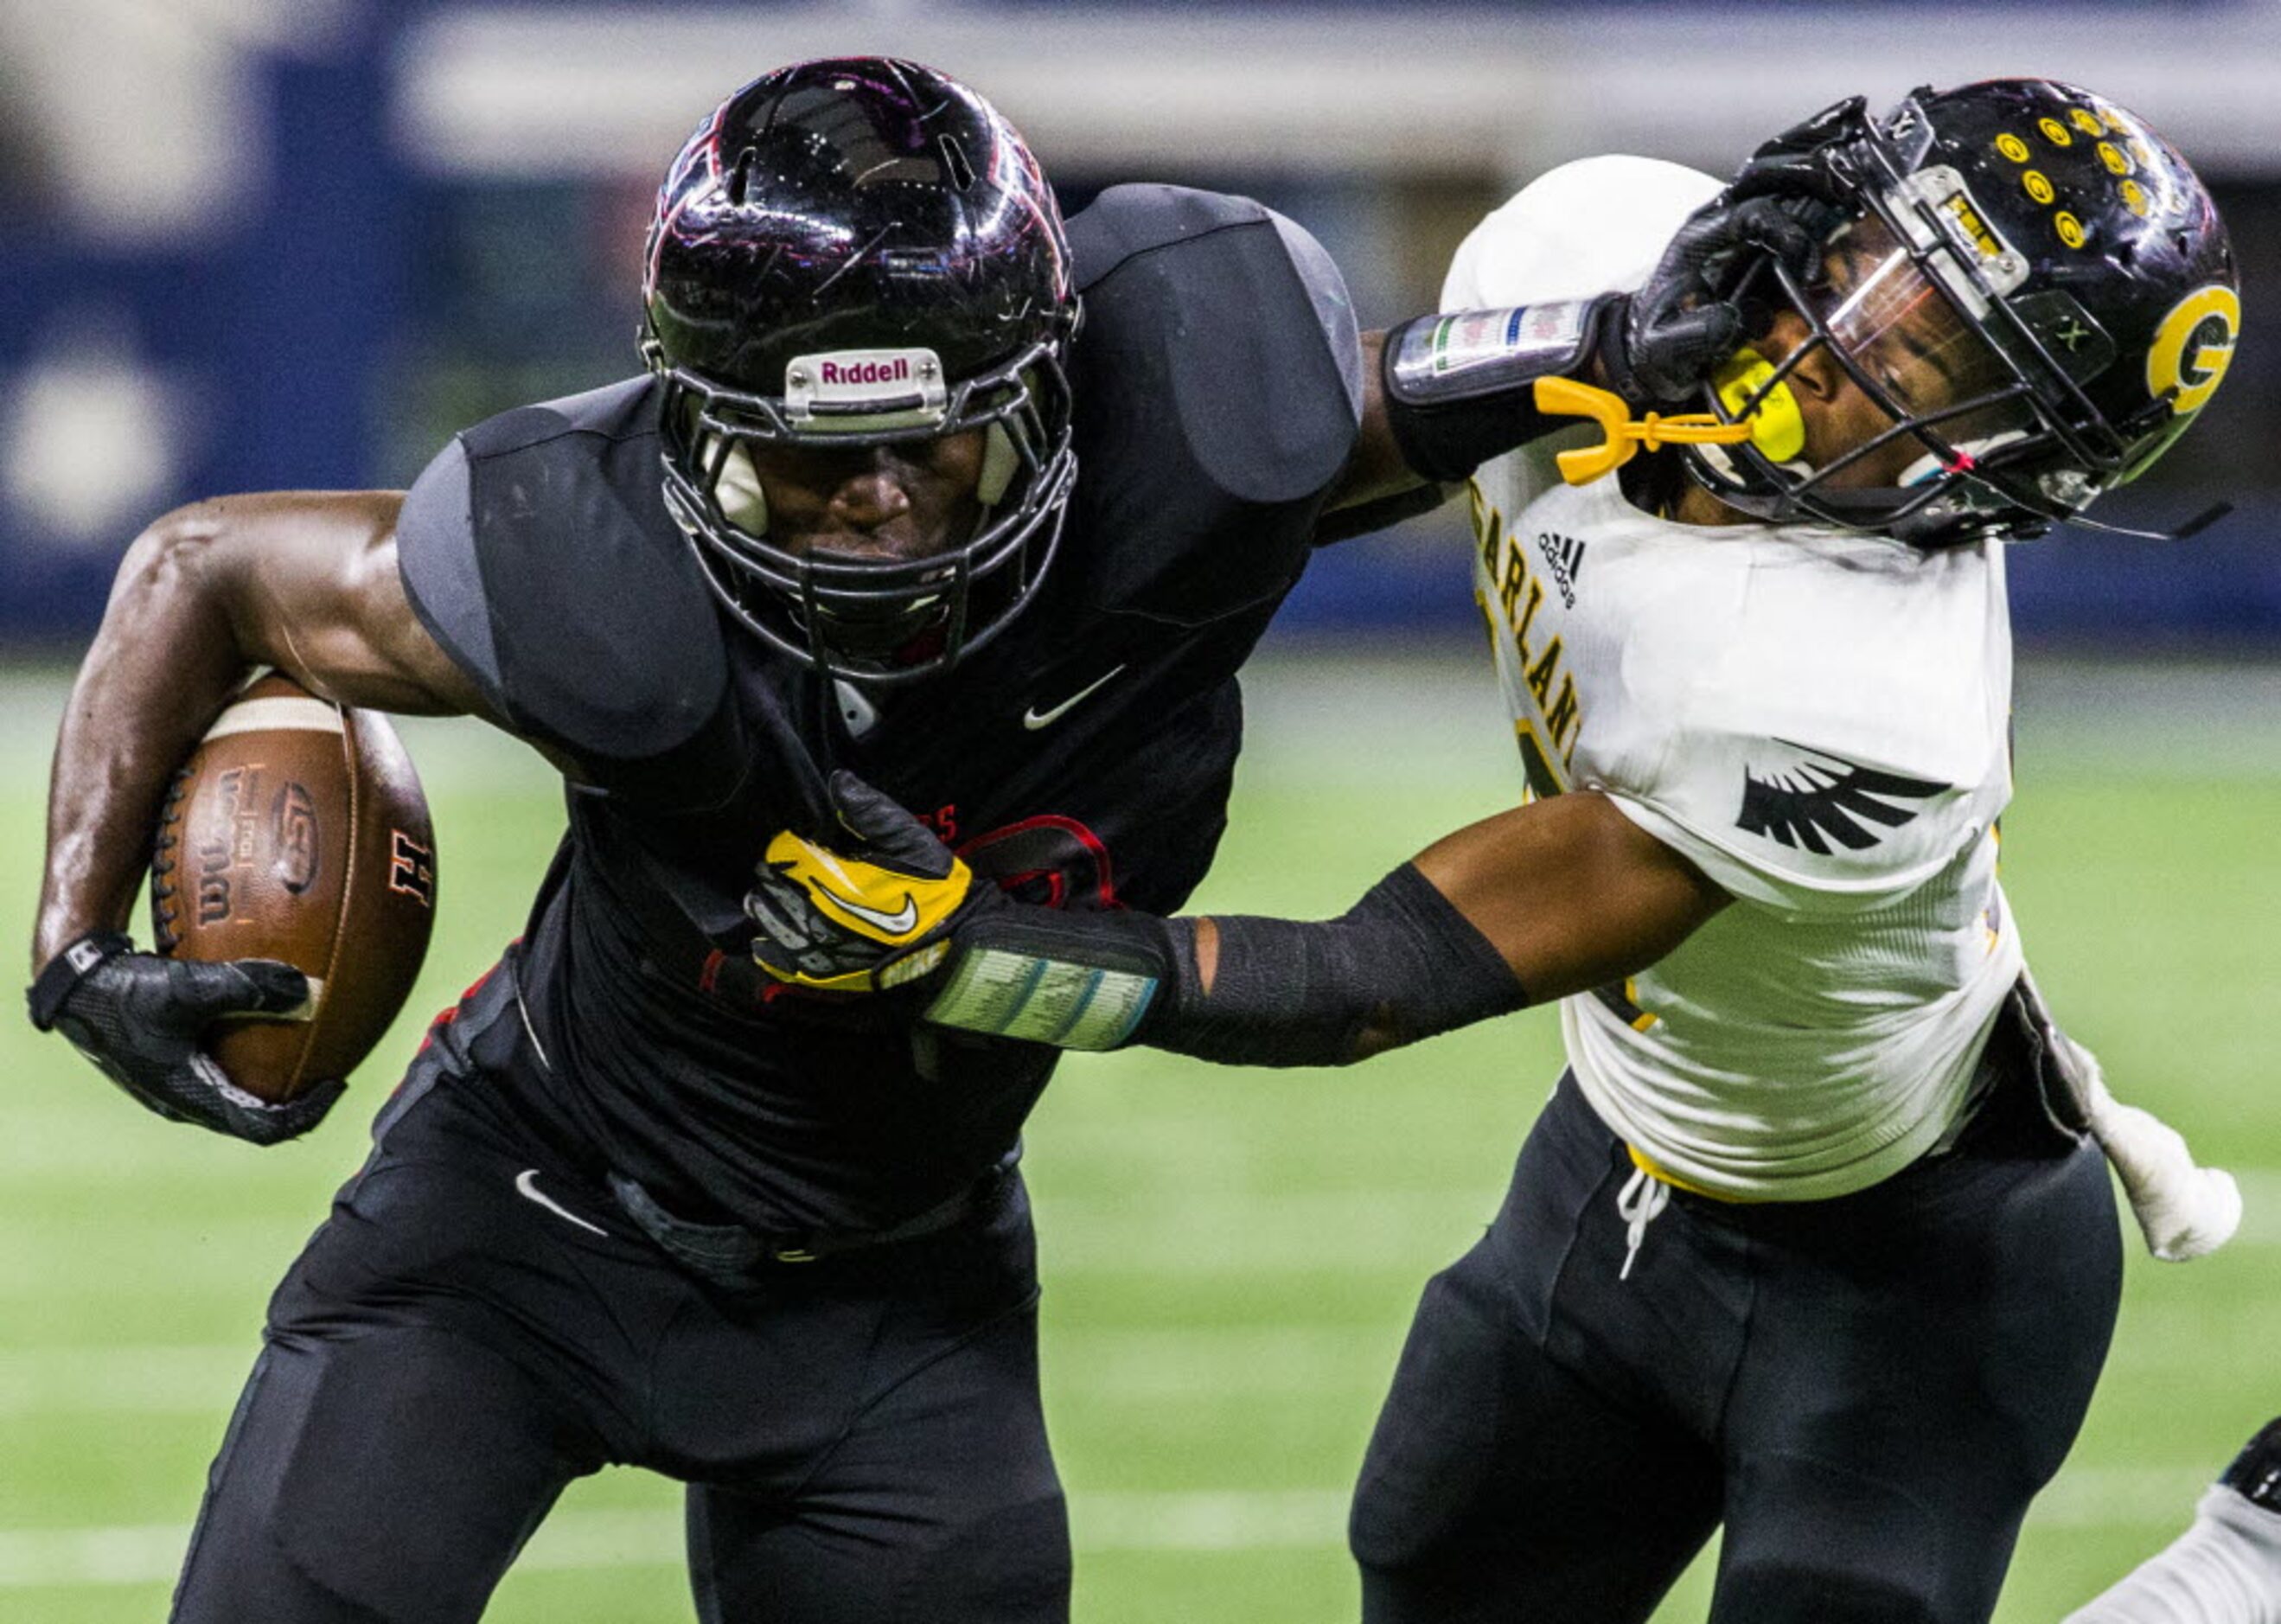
(1218, 389)
(538, 550)
(1125, 221)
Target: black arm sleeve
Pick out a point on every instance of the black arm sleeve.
(1402, 963)
(1399, 966)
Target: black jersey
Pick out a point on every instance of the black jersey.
(1083, 758)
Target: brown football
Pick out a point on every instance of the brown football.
(298, 831)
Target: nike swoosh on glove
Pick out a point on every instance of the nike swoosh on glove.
(868, 919)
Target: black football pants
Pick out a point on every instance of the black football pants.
(861, 1435)
(1866, 1391)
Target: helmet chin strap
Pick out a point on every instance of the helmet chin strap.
(2194, 526)
(1931, 465)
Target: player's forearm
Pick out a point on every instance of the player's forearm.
(1534, 904)
(161, 665)
(1400, 965)
(1376, 468)
(1456, 389)
(1444, 393)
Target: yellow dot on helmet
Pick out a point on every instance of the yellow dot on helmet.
(1777, 427)
(2038, 187)
(2012, 147)
(2070, 228)
(2087, 121)
(2055, 132)
(2134, 197)
(2112, 157)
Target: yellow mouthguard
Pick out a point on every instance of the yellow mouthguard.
(1776, 426)
(1624, 438)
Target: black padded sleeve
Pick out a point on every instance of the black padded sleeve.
(1401, 964)
(1459, 386)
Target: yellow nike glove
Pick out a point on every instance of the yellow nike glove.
(901, 913)
(864, 922)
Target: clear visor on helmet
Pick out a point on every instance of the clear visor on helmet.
(1908, 346)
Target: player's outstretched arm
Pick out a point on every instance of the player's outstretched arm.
(1444, 393)
(305, 582)
(1550, 899)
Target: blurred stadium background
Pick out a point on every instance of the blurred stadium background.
(248, 244)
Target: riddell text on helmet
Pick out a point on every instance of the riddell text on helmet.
(895, 371)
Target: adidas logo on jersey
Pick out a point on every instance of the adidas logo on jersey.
(1563, 556)
(1827, 798)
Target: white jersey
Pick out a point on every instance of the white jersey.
(1818, 720)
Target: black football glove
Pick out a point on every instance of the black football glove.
(1796, 163)
(1659, 345)
(138, 1017)
(871, 917)
(1664, 341)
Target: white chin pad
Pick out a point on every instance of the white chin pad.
(1000, 462)
(737, 490)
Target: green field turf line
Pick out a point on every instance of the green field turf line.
(1188, 1521)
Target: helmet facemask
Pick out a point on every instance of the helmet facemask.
(1929, 312)
(866, 620)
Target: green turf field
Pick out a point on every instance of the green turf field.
(1230, 1257)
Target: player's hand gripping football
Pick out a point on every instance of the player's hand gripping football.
(875, 917)
(139, 1017)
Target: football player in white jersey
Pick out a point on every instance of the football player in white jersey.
(1814, 1240)
(2226, 1567)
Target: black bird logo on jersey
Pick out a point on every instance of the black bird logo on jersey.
(1828, 797)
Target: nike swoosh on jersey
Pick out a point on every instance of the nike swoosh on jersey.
(526, 1185)
(1033, 718)
(896, 923)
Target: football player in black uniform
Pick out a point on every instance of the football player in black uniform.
(916, 485)
(1803, 1044)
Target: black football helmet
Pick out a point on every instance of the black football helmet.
(851, 252)
(2030, 281)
